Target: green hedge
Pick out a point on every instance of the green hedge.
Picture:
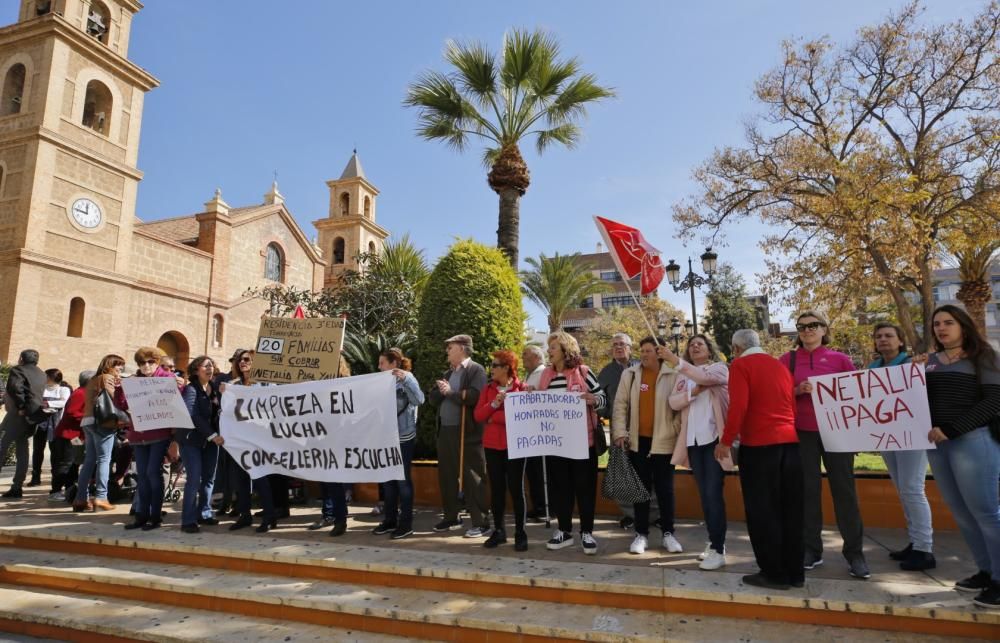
(473, 291)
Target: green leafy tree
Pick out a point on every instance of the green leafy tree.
(526, 92)
(595, 340)
(362, 352)
(728, 308)
(472, 291)
(402, 261)
(558, 284)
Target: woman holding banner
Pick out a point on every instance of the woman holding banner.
(907, 469)
(573, 481)
(812, 357)
(963, 390)
(702, 397)
(100, 438)
(149, 448)
(237, 479)
(398, 519)
(200, 446)
(505, 474)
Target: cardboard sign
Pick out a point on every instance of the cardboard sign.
(298, 350)
(155, 403)
(877, 409)
(546, 423)
(341, 430)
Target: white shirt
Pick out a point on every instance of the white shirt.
(535, 377)
(701, 419)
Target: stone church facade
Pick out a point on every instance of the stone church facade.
(80, 274)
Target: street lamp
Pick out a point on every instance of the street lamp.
(675, 333)
(709, 262)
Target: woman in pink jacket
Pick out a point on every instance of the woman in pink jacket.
(812, 357)
(702, 396)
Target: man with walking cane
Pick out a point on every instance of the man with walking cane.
(461, 460)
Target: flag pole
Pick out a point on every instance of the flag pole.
(621, 271)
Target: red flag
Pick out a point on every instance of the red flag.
(633, 255)
(299, 313)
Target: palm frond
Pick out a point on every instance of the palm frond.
(568, 134)
(435, 92)
(490, 156)
(573, 99)
(476, 69)
(559, 283)
(435, 126)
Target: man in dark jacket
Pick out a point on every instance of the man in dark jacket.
(455, 395)
(23, 400)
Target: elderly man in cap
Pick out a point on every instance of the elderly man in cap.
(455, 395)
(23, 399)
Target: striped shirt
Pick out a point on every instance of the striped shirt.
(960, 403)
(559, 382)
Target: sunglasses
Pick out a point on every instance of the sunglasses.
(497, 365)
(246, 360)
(151, 362)
(809, 326)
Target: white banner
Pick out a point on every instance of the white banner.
(878, 409)
(546, 423)
(339, 430)
(155, 403)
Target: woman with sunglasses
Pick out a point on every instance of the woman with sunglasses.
(149, 449)
(963, 390)
(200, 446)
(812, 357)
(505, 474)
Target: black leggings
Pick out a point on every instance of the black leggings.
(505, 475)
(573, 482)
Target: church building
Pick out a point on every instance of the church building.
(80, 274)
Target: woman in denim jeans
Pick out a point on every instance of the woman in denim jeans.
(907, 469)
(99, 439)
(399, 493)
(963, 391)
(702, 396)
(199, 446)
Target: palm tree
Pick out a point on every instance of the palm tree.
(975, 247)
(525, 93)
(558, 284)
(403, 260)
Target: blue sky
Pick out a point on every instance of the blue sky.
(249, 87)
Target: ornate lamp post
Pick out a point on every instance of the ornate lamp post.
(692, 280)
(675, 333)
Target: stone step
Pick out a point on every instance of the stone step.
(67, 616)
(930, 608)
(238, 599)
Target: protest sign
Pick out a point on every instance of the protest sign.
(878, 409)
(340, 430)
(298, 350)
(546, 423)
(155, 403)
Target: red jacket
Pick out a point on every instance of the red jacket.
(495, 429)
(819, 361)
(761, 408)
(69, 426)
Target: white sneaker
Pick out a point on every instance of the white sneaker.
(708, 548)
(559, 540)
(670, 543)
(714, 560)
(638, 545)
(589, 543)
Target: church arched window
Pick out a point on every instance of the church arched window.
(338, 250)
(217, 323)
(371, 247)
(98, 21)
(273, 260)
(345, 204)
(97, 106)
(13, 90)
(77, 307)
(368, 207)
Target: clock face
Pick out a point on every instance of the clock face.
(86, 213)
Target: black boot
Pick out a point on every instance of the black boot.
(498, 537)
(13, 492)
(339, 527)
(36, 480)
(901, 554)
(520, 540)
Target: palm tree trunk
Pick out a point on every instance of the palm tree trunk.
(509, 223)
(975, 295)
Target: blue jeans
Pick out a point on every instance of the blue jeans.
(334, 500)
(710, 477)
(149, 470)
(966, 470)
(97, 453)
(199, 467)
(908, 470)
(399, 493)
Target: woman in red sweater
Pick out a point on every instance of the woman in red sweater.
(505, 474)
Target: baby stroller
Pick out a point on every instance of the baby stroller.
(176, 477)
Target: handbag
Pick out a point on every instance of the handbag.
(621, 482)
(105, 411)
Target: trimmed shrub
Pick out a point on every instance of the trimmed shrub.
(473, 291)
